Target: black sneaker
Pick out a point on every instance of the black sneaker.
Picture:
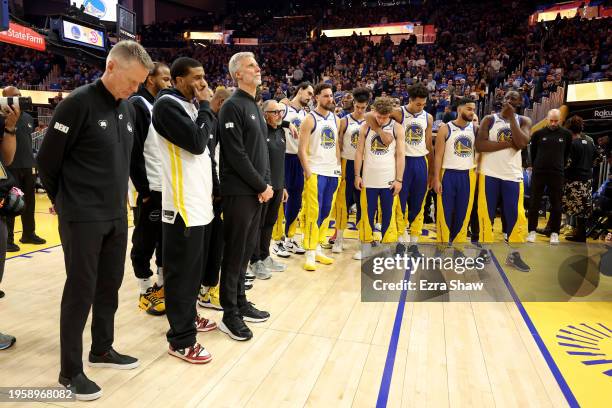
(251, 314)
(83, 388)
(234, 327)
(34, 239)
(400, 248)
(12, 247)
(484, 256)
(248, 285)
(413, 251)
(1, 294)
(514, 259)
(112, 359)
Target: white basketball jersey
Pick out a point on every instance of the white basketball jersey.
(296, 117)
(459, 150)
(414, 126)
(350, 137)
(186, 179)
(504, 164)
(151, 154)
(378, 159)
(322, 146)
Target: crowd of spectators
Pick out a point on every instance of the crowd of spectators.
(481, 49)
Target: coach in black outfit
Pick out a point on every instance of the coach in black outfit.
(549, 148)
(21, 169)
(245, 185)
(84, 164)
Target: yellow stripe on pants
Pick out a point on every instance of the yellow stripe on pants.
(340, 210)
(313, 234)
(517, 235)
(278, 229)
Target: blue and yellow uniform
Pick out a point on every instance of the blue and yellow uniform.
(377, 195)
(320, 188)
(458, 184)
(347, 189)
(414, 187)
(501, 179)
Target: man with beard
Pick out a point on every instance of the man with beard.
(245, 186)
(319, 153)
(347, 104)
(550, 148)
(183, 129)
(145, 177)
(349, 137)
(500, 139)
(454, 179)
(294, 113)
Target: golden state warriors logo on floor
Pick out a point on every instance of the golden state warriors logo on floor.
(591, 344)
(354, 139)
(504, 135)
(414, 134)
(463, 147)
(377, 146)
(328, 139)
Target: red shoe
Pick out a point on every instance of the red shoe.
(195, 354)
(204, 325)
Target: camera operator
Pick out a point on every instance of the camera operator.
(21, 170)
(8, 145)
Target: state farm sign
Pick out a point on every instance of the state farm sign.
(23, 36)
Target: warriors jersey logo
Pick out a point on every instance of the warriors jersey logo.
(354, 139)
(414, 134)
(377, 146)
(463, 147)
(328, 139)
(296, 122)
(504, 135)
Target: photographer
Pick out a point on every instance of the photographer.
(8, 146)
(21, 170)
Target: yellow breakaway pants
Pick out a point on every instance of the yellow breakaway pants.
(317, 203)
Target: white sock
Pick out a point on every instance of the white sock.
(144, 284)
(204, 289)
(160, 276)
(339, 234)
(406, 237)
(414, 239)
(310, 256)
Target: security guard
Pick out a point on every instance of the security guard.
(84, 165)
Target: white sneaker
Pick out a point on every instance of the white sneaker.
(260, 271)
(279, 249)
(274, 266)
(337, 248)
(249, 275)
(554, 238)
(292, 246)
(532, 236)
(505, 236)
(378, 227)
(357, 255)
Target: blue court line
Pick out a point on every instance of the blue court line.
(385, 383)
(567, 392)
(29, 254)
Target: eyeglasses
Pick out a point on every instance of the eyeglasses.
(275, 112)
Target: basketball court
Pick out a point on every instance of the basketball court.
(324, 347)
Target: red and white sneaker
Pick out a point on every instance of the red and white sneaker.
(195, 354)
(204, 325)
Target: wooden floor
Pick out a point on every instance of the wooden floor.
(322, 347)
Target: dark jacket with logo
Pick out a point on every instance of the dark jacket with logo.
(245, 163)
(84, 160)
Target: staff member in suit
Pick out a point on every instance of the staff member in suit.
(84, 165)
(21, 169)
(245, 185)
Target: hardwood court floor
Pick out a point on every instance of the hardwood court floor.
(322, 347)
